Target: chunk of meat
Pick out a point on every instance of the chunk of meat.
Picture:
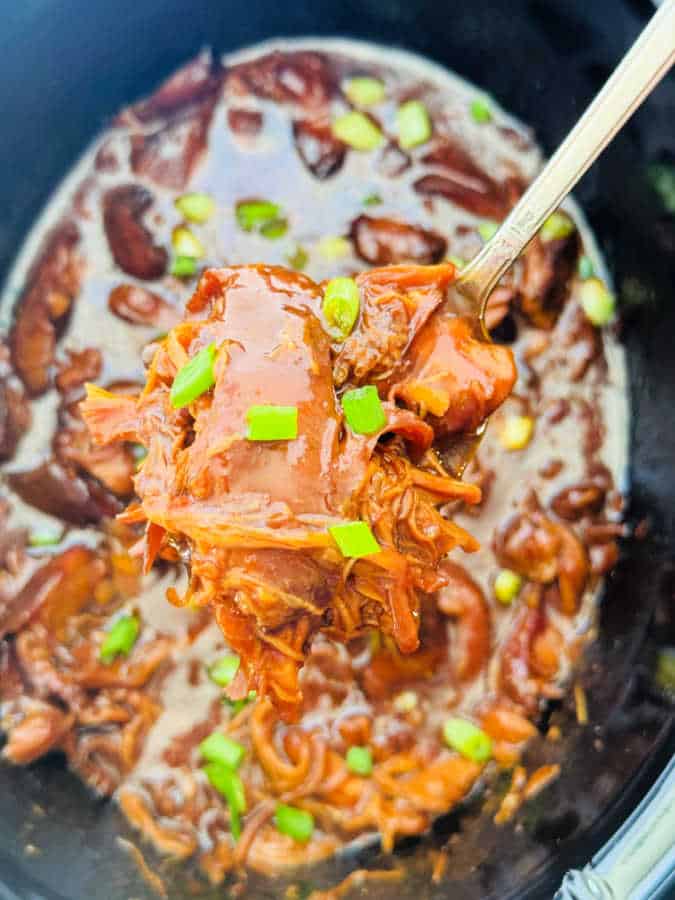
(253, 517)
(530, 659)
(139, 306)
(78, 367)
(15, 413)
(462, 599)
(384, 241)
(546, 270)
(321, 152)
(40, 728)
(577, 342)
(43, 308)
(301, 77)
(130, 241)
(245, 122)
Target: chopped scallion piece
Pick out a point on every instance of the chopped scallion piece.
(272, 423)
(363, 410)
(488, 229)
(238, 705)
(363, 91)
(360, 760)
(275, 229)
(586, 269)
(373, 199)
(597, 302)
(185, 243)
(296, 823)
(341, 306)
(558, 225)
(355, 539)
(195, 207)
(252, 215)
(219, 748)
(665, 670)
(480, 110)
(334, 247)
(458, 261)
(507, 586)
(183, 266)
(223, 670)
(228, 783)
(467, 739)
(120, 639)
(298, 259)
(194, 379)
(45, 537)
(413, 124)
(357, 131)
(661, 177)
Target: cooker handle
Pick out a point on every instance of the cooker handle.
(638, 862)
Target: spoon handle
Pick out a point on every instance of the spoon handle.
(638, 73)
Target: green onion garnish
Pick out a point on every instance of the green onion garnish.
(219, 748)
(557, 226)
(185, 243)
(360, 760)
(237, 705)
(363, 91)
(358, 131)
(194, 379)
(585, 268)
(661, 177)
(275, 229)
(195, 207)
(355, 539)
(296, 823)
(480, 110)
(298, 259)
(334, 247)
(413, 124)
(363, 410)
(488, 229)
(373, 199)
(45, 537)
(665, 670)
(120, 639)
(223, 670)
(228, 783)
(467, 739)
(252, 215)
(272, 423)
(597, 302)
(341, 306)
(458, 261)
(183, 266)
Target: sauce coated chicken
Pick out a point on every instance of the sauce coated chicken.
(253, 517)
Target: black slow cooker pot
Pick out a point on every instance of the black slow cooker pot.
(66, 66)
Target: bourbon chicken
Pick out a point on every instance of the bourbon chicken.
(268, 525)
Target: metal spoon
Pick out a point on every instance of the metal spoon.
(637, 74)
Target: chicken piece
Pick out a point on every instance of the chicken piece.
(253, 517)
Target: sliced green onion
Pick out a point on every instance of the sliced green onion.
(597, 302)
(296, 823)
(195, 207)
(373, 199)
(458, 261)
(341, 306)
(480, 110)
(252, 215)
(45, 537)
(405, 702)
(183, 266)
(488, 229)
(357, 131)
(275, 229)
(363, 410)
(272, 423)
(467, 739)
(665, 670)
(228, 783)
(585, 269)
(185, 243)
(298, 259)
(363, 91)
(558, 225)
(334, 247)
(413, 124)
(194, 379)
(661, 177)
(360, 760)
(237, 705)
(223, 670)
(355, 539)
(219, 748)
(120, 639)
(507, 586)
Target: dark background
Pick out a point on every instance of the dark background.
(66, 66)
